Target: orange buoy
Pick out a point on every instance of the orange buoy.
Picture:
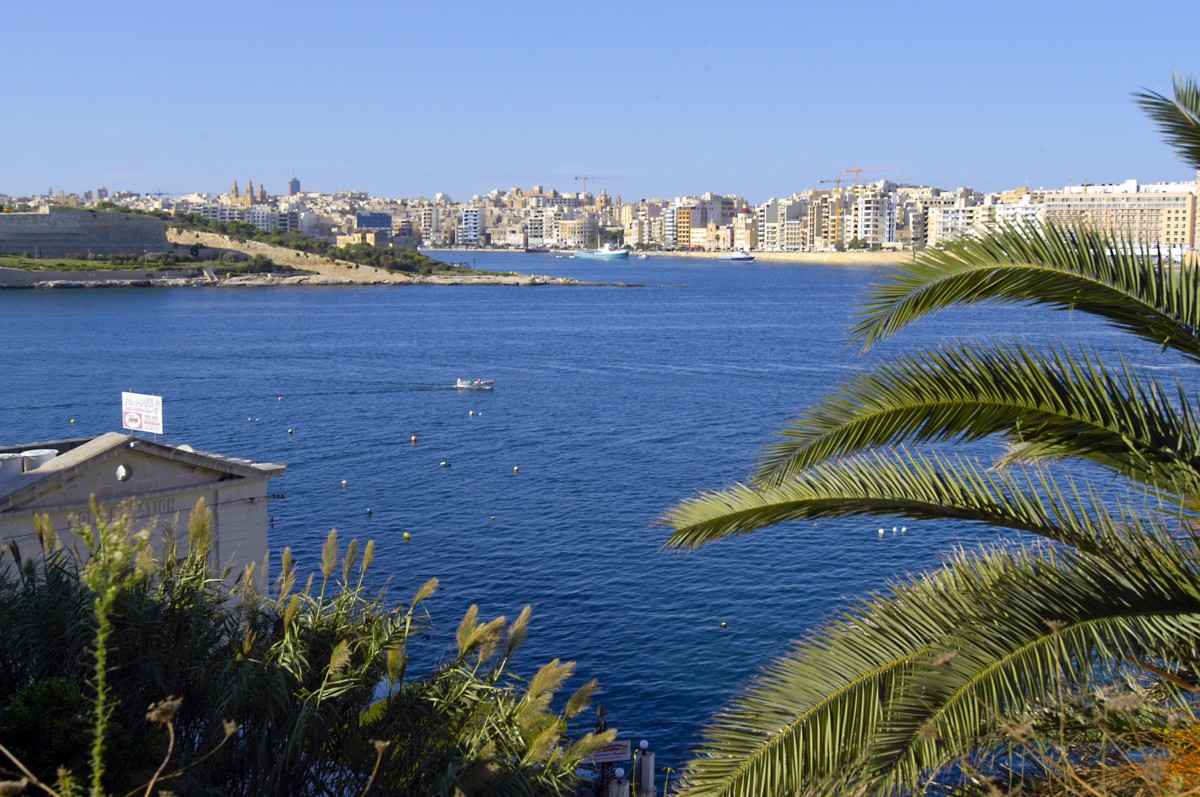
(414, 440)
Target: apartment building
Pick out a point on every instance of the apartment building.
(686, 216)
(1146, 218)
(471, 226)
(872, 219)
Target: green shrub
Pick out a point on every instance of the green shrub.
(303, 689)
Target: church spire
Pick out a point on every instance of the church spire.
(235, 190)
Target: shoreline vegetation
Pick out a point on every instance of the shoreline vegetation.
(267, 265)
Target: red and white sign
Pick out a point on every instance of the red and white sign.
(141, 413)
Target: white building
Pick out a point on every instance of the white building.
(156, 483)
(471, 226)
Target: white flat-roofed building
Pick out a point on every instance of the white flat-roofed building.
(157, 483)
(471, 226)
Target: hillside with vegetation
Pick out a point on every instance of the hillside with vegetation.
(405, 260)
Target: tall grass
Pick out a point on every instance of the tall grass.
(302, 688)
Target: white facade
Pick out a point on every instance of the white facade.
(470, 226)
(157, 484)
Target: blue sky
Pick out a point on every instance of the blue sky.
(654, 98)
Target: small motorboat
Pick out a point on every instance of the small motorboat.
(477, 384)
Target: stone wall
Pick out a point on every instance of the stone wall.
(60, 232)
(29, 278)
(340, 269)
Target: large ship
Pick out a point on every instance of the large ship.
(606, 252)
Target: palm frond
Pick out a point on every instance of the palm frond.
(1064, 267)
(1071, 405)
(901, 483)
(1178, 117)
(887, 695)
(1026, 627)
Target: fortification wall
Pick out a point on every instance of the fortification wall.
(22, 278)
(60, 232)
(338, 269)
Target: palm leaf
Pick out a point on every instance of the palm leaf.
(1178, 117)
(1024, 627)
(901, 483)
(1064, 267)
(887, 695)
(1070, 405)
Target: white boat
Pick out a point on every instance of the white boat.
(606, 252)
(737, 256)
(478, 384)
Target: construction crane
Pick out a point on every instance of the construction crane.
(585, 178)
(858, 170)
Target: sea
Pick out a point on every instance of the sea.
(611, 404)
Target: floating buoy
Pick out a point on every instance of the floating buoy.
(72, 421)
(414, 440)
(471, 413)
(247, 420)
(516, 469)
(893, 531)
(343, 484)
(904, 529)
(279, 399)
(724, 624)
(493, 517)
(407, 536)
(289, 431)
(369, 512)
(444, 464)
(881, 532)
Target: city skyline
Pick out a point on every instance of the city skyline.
(661, 101)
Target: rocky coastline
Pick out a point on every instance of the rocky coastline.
(52, 280)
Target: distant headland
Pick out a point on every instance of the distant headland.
(69, 248)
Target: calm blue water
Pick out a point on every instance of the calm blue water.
(613, 402)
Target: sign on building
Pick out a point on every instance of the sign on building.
(141, 413)
(619, 750)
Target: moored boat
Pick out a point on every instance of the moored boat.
(606, 252)
(737, 256)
